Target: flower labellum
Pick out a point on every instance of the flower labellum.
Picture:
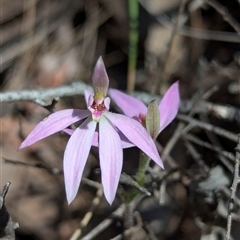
(114, 132)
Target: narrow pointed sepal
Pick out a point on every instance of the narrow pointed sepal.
(54, 123)
(169, 105)
(129, 105)
(75, 157)
(137, 134)
(111, 158)
(124, 141)
(100, 81)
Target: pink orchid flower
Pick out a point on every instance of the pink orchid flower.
(111, 130)
(133, 107)
(124, 141)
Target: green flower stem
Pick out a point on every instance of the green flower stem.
(133, 10)
(139, 177)
(142, 168)
(152, 124)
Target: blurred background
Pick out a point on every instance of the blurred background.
(49, 43)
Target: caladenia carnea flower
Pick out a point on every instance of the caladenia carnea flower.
(132, 107)
(152, 123)
(110, 131)
(154, 118)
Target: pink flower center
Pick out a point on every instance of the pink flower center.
(141, 118)
(97, 110)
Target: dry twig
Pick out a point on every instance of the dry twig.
(209, 146)
(169, 48)
(187, 31)
(118, 213)
(225, 14)
(124, 178)
(7, 227)
(200, 33)
(209, 127)
(236, 181)
(88, 216)
(47, 98)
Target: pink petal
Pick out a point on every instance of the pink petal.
(107, 102)
(100, 78)
(87, 94)
(137, 134)
(95, 137)
(54, 123)
(125, 142)
(75, 157)
(111, 158)
(129, 105)
(90, 101)
(169, 105)
(68, 131)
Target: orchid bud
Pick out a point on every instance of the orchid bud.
(153, 119)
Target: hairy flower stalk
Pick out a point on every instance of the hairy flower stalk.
(152, 124)
(114, 132)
